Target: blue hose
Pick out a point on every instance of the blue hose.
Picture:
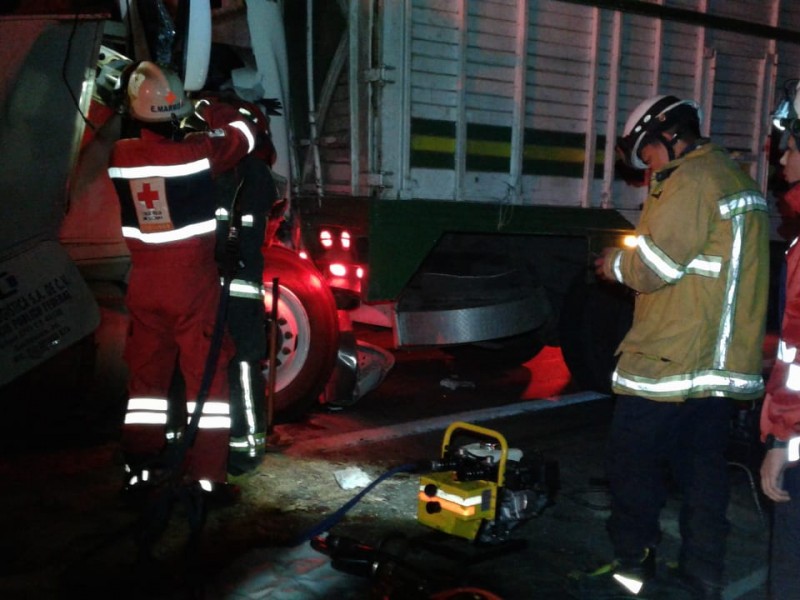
(331, 520)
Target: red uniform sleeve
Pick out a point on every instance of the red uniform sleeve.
(229, 139)
(780, 415)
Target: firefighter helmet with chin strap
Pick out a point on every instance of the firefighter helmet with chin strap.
(156, 93)
(653, 116)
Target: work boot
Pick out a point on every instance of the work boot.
(243, 465)
(241, 480)
(140, 483)
(618, 579)
(219, 495)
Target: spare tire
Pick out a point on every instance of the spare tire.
(308, 332)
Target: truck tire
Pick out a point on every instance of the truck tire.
(308, 332)
(594, 319)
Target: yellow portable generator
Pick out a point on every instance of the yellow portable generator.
(467, 495)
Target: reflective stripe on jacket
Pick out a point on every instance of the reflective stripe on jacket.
(701, 269)
(165, 187)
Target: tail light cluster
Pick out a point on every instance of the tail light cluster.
(339, 259)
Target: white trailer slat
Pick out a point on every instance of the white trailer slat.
(435, 50)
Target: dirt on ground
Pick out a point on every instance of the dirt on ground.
(69, 532)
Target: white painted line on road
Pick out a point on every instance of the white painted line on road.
(378, 434)
(739, 588)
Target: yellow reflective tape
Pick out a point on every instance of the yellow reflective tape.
(464, 511)
(482, 148)
(455, 498)
(559, 154)
(433, 143)
(447, 145)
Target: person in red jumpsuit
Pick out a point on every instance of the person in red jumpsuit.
(780, 413)
(164, 181)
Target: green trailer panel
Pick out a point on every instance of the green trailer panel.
(402, 233)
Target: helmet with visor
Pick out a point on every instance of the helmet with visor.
(654, 116)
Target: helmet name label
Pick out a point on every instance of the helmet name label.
(166, 108)
(156, 93)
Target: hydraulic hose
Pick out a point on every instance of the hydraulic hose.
(337, 516)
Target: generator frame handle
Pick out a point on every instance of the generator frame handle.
(482, 431)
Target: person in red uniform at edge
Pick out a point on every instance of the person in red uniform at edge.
(780, 414)
(164, 181)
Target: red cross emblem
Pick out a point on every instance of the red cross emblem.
(147, 196)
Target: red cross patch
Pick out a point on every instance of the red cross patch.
(150, 200)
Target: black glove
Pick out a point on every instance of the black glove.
(272, 106)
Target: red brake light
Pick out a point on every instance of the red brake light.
(337, 269)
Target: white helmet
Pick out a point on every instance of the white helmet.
(156, 93)
(653, 115)
(796, 98)
(785, 115)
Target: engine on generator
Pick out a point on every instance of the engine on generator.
(483, 490)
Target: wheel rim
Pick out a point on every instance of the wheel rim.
(293, 336)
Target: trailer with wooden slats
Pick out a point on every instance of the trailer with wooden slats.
(470, 146)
